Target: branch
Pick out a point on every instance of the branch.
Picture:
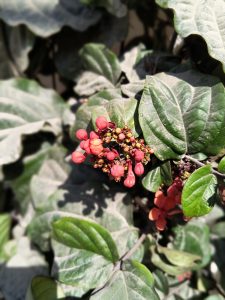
(134, 248)
(197, 162)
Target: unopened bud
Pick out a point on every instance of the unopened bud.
(139, 155)
(81, 134)
(129, 181)
(117, 171)
(96, 146)
(111, 155)
(122, 136)
(78, 157)
(101, 123)
(93, 135)
(139, 169)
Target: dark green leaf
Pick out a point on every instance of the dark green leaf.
(166, 173)
(98, 59)
(152, 180)
(43, 288)
(86, 235)
(184, 113)
(134, 281)
(198, 192)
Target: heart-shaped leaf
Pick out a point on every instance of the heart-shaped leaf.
(86, 235)
(183, 113)
(198, 192)
(205, 18)
(134, 281)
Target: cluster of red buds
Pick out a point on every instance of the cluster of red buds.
(114, 150)
(166, 204)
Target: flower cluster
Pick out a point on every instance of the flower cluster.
(114, 150)
(166, 204)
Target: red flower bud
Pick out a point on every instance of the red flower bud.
(81, 134)
(78, 157)
(111, 155)
(117, 171)
(139, 169)
(122, 136)
(139, 155)
(101, 123)
(96, 146)
(93, 135)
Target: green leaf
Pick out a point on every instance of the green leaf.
(98, 59)
(134, 281)
(115, 7)
(86, 235)
(152, 180)
(123, 112)
(5, 223)
(43, 288)
(45, 18)
(182, 113)
(79, 270)
(194, 238)
(161, 281)
(89, 83)
(198, 192)
(179, 258)
(31, 165)
(166, 173)
(221, 165)
(204, 18)
(20, 42)
(26, 108)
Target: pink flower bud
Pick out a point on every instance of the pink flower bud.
(93, 135)
(139, 169)
(101, 123)
(81, 134)
(117, 171)
(130, 180)
(78, 157)
(122, 136)
(111, 155)
(96, 146)
(85, 145)
(139, 155)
